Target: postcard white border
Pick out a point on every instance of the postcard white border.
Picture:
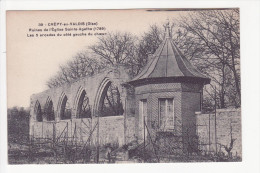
(250, 56)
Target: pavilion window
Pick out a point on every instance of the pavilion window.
(166, 114)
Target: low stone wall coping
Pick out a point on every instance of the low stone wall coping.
(220, 111)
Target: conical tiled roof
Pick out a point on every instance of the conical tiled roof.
(169, 64)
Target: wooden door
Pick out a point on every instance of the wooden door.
(143, 118)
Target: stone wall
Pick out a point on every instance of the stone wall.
(228, 121)
(111, 130)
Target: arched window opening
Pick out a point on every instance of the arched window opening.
(84, 109)
(65, 109)
(38, 112)
(49, 111)
(111, 104)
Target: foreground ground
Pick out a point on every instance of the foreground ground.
(22, 154)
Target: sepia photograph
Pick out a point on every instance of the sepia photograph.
(123, 86)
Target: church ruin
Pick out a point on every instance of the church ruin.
(109, 107)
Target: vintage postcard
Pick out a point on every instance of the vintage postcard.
(123, 86)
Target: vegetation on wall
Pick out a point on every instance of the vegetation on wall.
(18, 125)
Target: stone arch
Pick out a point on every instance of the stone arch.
(113, 101)
(49, 110)
(64, 107)
(82, 106)
(38, 111)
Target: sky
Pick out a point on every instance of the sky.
(31, 61)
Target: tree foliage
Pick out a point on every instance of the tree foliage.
(115, 48)
(210, 39)
(147, 45)
(18, 125)
(213, 44)
(78, 67)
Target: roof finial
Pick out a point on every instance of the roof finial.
(167, 29)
